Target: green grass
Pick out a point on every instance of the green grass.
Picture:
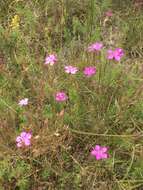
(106, 109)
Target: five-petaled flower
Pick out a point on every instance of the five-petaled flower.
(50, 59)
(109, 13)
(97, 46)
(61, 97)
(116, 54)
(24, 139)
(89, 71)
(100, 152)
(23, 102)
(70, 69)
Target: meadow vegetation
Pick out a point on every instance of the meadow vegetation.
(103, 108)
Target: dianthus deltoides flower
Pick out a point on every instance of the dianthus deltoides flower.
(109, 13)
(116, 54)
(70, 69)
(61, 97)
(100, 152)
(23, 102)
(89, 71)
(97, 46)
(24, 139)
(50, 59)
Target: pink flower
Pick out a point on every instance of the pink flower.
(61, 97)
(109, 13)
(116, 54)
(50, 59)
(70, 69)
(95, 47)
(100, 152)
(23, 139)
(89, 71)
(23, 102)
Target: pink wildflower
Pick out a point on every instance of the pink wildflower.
(95, 47)
(50, 59)
(23, 139)
(109, 13)
(99, 152)
(70, 69)
(89, 71)
(116, 54)
(23, 102)
(61, 97)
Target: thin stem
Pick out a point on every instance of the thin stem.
(8, 105)
(103, 135)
